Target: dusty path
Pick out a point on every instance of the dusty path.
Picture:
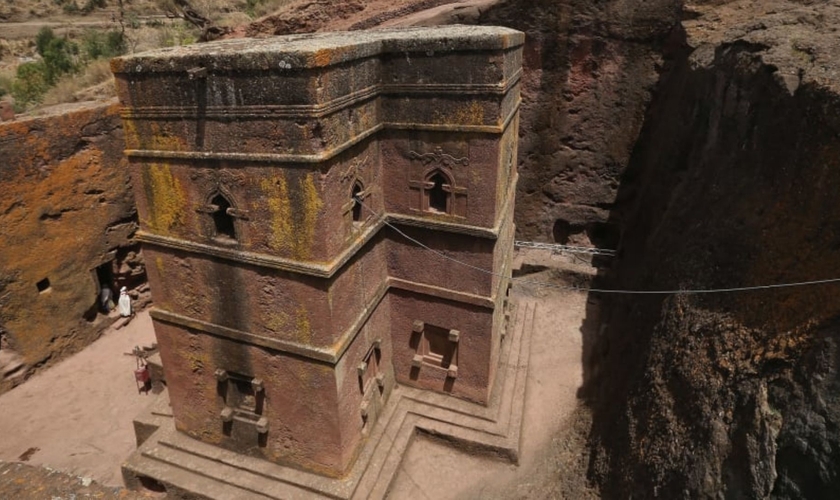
(77, 415)
(25, 30)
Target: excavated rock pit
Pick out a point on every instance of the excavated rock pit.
(702, 141)
(732, 183)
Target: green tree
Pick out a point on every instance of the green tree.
(58, 53)
(96, 44)
(30, 83)
(58, 57)
(42, 39)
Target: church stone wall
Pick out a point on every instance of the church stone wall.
(287, 311)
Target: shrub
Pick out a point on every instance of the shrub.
(42, 39)
(58, 54)
(58, 58)
(133, 21)
(71, 7)
(93, 4)
(30, 83)
(7, 79)
(97, 44)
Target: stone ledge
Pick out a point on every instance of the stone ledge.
(316, 50)
(314, 157)
(187, 465)
(296, 111)
(332, 354)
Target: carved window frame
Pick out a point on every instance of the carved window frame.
(456, 200)
(237, 215)
(229, 386)
(364, 194)
(425, 357)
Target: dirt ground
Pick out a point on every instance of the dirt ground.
(20, 481)
(77, 415)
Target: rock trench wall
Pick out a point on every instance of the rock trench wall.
(66, 208)
(590, 68)
(732, 183)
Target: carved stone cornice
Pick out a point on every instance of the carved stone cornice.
(439, 157)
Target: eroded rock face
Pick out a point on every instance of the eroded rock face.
(66, 208)
(590, 68)
(732, 183)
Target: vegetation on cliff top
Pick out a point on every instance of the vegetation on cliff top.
(67, 60)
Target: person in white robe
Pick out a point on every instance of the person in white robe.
(124, 303)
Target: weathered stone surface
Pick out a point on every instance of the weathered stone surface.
(66, 208)
(247, 155)
(733, 183)
(25, 481)
(589, 71)
(7, 111)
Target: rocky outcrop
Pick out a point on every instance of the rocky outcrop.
(67, 209)
(590, 68)
(732, 183)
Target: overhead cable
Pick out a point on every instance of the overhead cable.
(556, 248)
(600, 290)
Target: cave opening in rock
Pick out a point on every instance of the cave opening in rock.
(563, 231)
(105, 275)
(603, 234)
(43, 285)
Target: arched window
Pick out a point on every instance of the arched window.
(357, 206)
(222, 219)
(438, 192)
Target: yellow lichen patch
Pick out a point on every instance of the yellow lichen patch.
(471, 113)
(304, 331)
(211, 436)
(277, 198)
(276, 321)
(166, 197)
(323, 57)
(132, 137)
(196, 364)
(164, 140)
(475, 176)
(312, 206)
(292, 228)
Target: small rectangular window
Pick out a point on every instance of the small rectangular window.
(436, 348)
(43, 285)
(243, 396)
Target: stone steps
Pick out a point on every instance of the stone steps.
(182, 463)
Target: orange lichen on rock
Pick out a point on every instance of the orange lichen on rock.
(66, 189)
(166, 197)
